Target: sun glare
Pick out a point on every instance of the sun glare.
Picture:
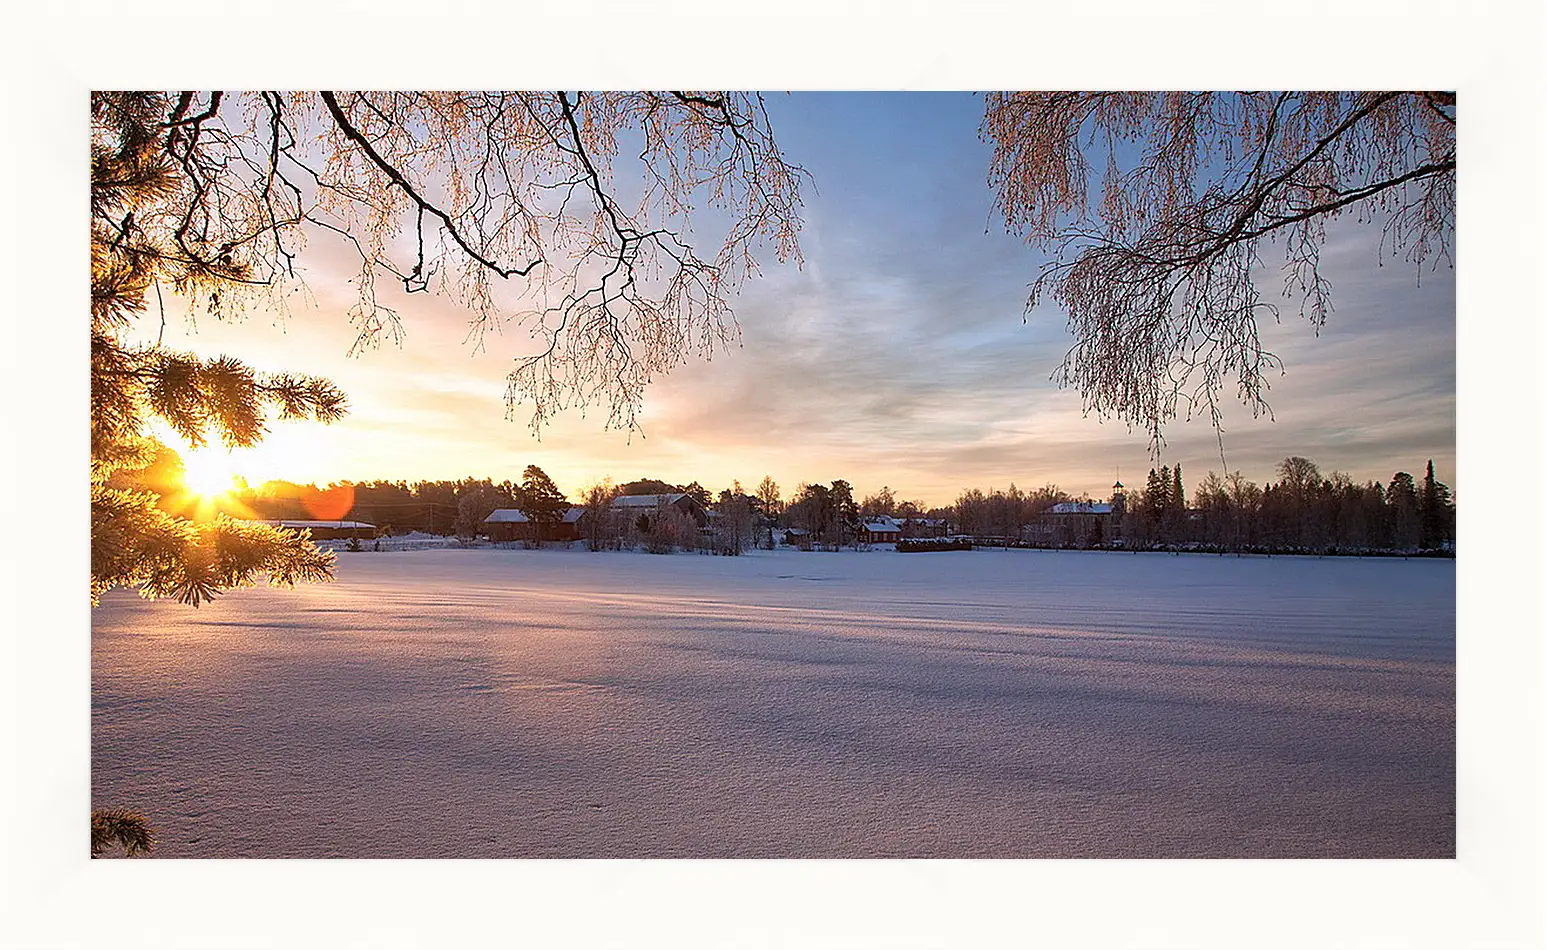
(208, 472)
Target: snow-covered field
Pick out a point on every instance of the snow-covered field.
(560, 703)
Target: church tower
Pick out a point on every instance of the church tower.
(1119, 510)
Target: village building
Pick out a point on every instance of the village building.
(648, 504)
(799, 537)
(1080, 523)
(1071, 523)
(881, 529)
(512, 524)
(924, 527)
(329, 530)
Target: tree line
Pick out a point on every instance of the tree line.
(1303, 511)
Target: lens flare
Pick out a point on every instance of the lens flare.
(328, 504)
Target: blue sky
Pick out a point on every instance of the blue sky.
(900, 354)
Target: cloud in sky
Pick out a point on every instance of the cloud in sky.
(898, 355)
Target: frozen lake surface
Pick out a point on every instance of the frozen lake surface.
(1017, 704)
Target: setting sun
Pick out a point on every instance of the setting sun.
(208, 472)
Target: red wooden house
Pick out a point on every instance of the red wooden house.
(512, 524)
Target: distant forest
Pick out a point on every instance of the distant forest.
(1303, 511)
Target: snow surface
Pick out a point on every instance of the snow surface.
(564, 703)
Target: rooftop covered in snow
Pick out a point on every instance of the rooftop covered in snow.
(517, 516)
(647, 501)
(1081, 508)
